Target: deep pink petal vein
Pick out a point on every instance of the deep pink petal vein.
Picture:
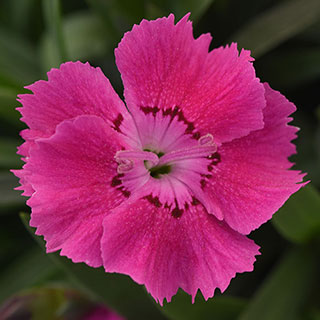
(165, 188)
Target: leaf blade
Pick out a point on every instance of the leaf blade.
(284, 293)
(299, 219)
(30, 268)
(276, 25)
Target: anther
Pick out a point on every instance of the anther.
(125, 165)
(206, 140)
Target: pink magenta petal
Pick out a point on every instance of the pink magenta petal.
(164, 253)
(25, 185)
(72, 175)
(252, 180)
(72, 90)
(163, 66)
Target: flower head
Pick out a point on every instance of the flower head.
(166, 189)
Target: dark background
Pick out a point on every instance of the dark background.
(284, 37)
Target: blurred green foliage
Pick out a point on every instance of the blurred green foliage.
(284, 37)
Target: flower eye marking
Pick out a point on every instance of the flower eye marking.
(117, 123)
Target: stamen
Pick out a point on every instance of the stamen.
(206, 140)
(125, 165)
(131, 155)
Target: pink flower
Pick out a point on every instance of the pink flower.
(101, 312)
(166, 190)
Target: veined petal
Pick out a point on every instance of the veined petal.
(163, 66)
(72, 174)
(164, 253)
(72, 90)
(252, 179)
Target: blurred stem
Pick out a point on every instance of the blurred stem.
(52, 17)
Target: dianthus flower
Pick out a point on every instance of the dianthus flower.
(166, 188)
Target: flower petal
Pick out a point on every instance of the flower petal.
(25, 185)
(252, 181)
(72, 90)
(71, 173)
(165, 253)
(163, 66)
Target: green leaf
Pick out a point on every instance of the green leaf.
(286, 290)
(52, 16)
(49, 53)
(8, 196)
(299, 219)
(30, 268)
(276, 25)
(221, 307)
(117, 291)
(291, 68)
(86, 38)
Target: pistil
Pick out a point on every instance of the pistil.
(125, 159)
(205, 148)
(139, 155)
